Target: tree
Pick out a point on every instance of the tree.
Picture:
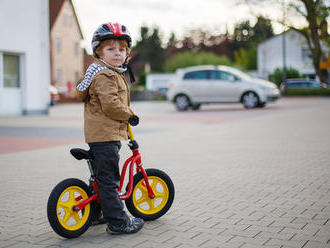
(189, 58)
(315, 13)
(246, 38)
(246, 58)
(150, 48)
(242, 35)
(262, 30)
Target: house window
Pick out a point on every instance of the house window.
(76, 49)
(58, 75)
(11, 78)
(70, 20)
(58, 45)
(306, 54)
(67, 20)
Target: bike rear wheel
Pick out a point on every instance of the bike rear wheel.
(140, 205)
(62, 218)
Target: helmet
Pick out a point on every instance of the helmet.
(110, 31)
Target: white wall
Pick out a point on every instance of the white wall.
(24, 29)
(270, 54)
(159, 81)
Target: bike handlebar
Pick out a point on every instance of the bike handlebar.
(130, 132)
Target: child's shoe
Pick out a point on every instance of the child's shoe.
(133, 225)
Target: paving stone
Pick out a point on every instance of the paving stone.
(256, 178)
(315, 244)
(8, 243)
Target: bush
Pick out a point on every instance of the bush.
(277, 76)
(142, 79)
(246, 58)
(308, 92)
(185, 59)
(147, 95)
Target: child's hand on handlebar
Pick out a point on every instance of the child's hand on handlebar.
(133, 120)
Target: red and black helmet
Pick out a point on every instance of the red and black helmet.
(110, 31)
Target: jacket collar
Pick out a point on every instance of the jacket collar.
(116, 69)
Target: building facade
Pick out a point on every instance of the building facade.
(67, 58)
(24, 57)
(297, 55)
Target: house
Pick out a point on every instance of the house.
(24, 57)
(88, 59)
(66, 53)
(297, 55)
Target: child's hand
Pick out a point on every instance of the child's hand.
(133, 120)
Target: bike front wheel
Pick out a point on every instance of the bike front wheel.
(140, 205)
(63, 219)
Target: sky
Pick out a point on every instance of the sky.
(178, 16)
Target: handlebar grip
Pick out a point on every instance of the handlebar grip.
(134, 120)
(130, 133)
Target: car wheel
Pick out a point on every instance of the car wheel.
(182, 102)
(250, 100)
(195, 106)
(261, 105)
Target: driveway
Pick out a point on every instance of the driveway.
(243, 178)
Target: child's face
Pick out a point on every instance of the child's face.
(114, 54)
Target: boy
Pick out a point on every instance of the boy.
(106, 116)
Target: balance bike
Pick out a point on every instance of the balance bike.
(73, 205)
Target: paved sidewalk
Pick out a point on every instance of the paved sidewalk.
(243, 178)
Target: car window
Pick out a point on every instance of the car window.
(214, 75)
(315, 85)
(196, 75)
(209, 75)
(223, 75)
(296, 85)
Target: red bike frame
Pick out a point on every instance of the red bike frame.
(135, 159)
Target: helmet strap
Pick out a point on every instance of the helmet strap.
(131, 75)
(130, 71)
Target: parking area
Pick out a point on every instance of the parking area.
(243, 178)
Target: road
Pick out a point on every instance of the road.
(243, 178)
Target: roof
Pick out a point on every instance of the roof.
(55, 7)
(279, 35)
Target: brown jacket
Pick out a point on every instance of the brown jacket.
(106, 110)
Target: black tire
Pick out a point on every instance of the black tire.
(182, 102)
(261, 105)
(195, 106)
(250, 100)
(69, 188)
(159, 181)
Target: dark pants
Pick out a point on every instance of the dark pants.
(105, 162)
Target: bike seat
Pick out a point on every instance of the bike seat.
(81, 153)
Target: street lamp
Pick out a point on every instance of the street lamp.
(284, 44)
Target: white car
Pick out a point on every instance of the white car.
(197, 85)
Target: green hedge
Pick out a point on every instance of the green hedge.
(277, 76)
(307, 92)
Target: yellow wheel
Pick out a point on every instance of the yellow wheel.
(63, 219)
(141, 205)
